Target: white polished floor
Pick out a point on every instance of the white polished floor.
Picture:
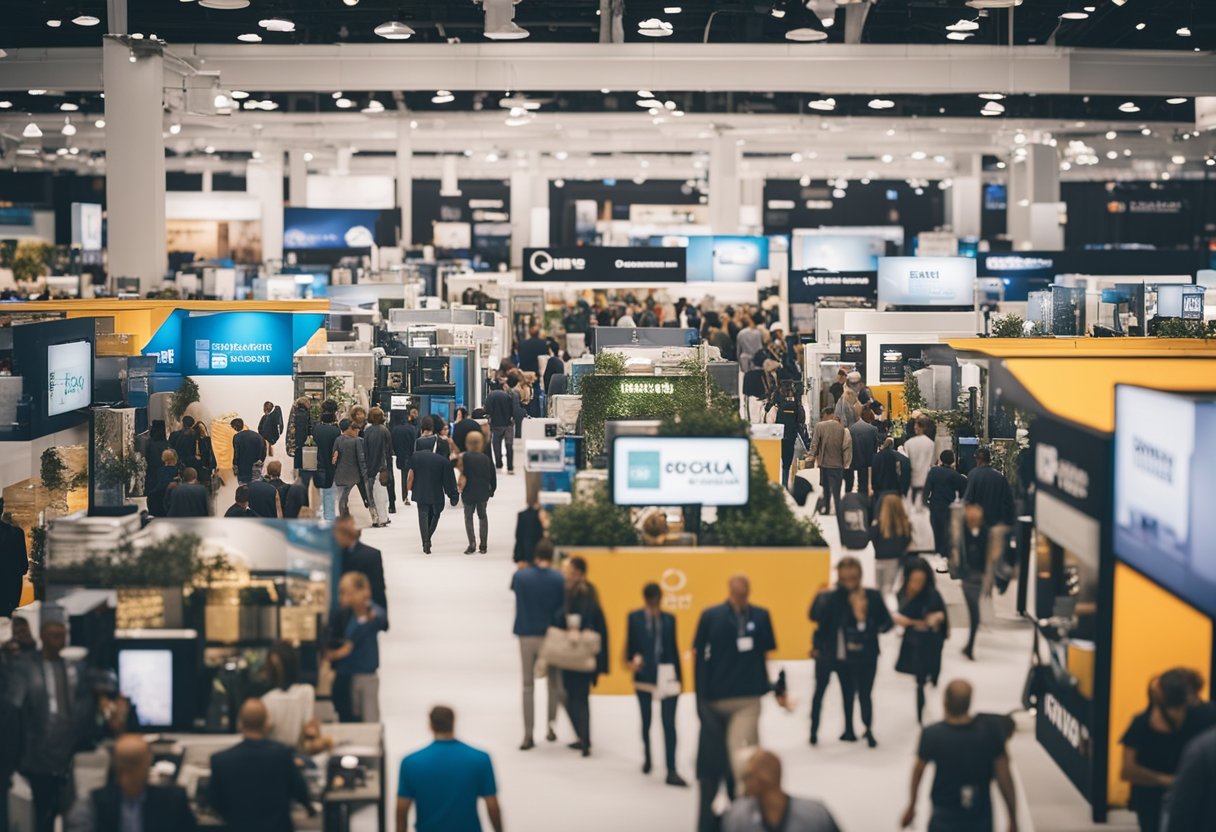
(451, 643)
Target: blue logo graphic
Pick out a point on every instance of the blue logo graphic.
(644, 469)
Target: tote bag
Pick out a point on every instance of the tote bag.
(567, 651)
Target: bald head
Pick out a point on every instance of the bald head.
(958, 698)
(740, 589)
(132, 763)
(762, 773)
(253, 720)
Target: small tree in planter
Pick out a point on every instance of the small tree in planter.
(186, 395)
(31, 261)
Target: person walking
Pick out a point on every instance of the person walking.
(730, 649)
(922, 614)
(203, 462)
(831, 449)
(862, 616)
(405, 436)
(747, 344)
(430, 437)
(990, 490)
(255, 783)
(324, 436)
(943, 485)
(265, 498)
(975, 556)
(270, 426)
(792, 418)
(350, 464)
(378, 443)
(478, 482)
(1192, 800)
(823, 652)
(183, 443)
(501, 411)
(240, 506)
(968, 754)
(653, 656)
(581, 612)
(445, 780)
(540, 594)
(188, 498)
(158, 443)
(356, 556)
(766, 807)
(1152, 749)
(891, 535)
(919, 450)
(248, 452)
(865, 447)
(430, 479)
(131, 803)
(354, 654)
(299, 428)
(168, 474)
(462, 427)
(891, 472)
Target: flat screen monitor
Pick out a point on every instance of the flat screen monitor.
(145, 677)
(680, 470)
(839, 253)
(69, 377)
(722, 259)
(1164, 523)
(926, 281)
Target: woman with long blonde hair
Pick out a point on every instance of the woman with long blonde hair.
(891, 535)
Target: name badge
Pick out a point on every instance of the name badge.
(744, 644)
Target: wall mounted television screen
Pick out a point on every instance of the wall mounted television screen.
(69, 377)
(679, 470)
(1164, 523)
(926, 281)
(839, 253)
(720, 259)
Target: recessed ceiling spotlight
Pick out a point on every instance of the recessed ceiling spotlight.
(805, 34)
(1146, 131)
(249, 37)
(267, 104)
(344, 103)
(394, 30)
(1112, 155)
(677, 113)
(1182, 32)
(1129, 107)
(36, 92)
(959, 35)
(777, 12)
(672, 9)
(277, 24)
(442, 97)
(5, 104)
(68, 107)
(823, 104)
(86, 20)
(351, 2)
(604, 90)
(100, 123)
(1127, 151)
(237, 95)
(68, 128)
(54, 23)
(1111, 135)
(1178, 160)
(374, 106)
(1001, 166)
(655, 28)
(1089, 9)
(647, 103)
(880, 104)
(1119, 2)
(887, 158)
(335, 96)
(32, 131)
(992, 96)
(1140, 27)
(963, 26)
(1175, 101)
(224, 5)
(209, 149)
(828, 22)
(993, 4)
(175, 128)
(645, 94)
(1076, 14)
(919, 155)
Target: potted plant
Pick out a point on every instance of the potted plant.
(31, 261)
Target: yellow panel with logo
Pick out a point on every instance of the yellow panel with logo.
(784, 581)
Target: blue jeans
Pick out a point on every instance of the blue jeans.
(328, 509)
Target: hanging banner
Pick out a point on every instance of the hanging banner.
(597, 264)
(811, 286)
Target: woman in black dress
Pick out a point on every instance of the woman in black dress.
(922, 614)
(582, 611)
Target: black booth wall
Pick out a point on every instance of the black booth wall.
(620, 194)
(1173, 214)
(429, 207)
(880, 202)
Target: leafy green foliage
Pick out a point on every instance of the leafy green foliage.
(31, 260)
(185, 395)
(52, 471)
(603, 400)
(1009, 326)
(173, 561)
(592, 523)
(914, 399)
(1178, 328)
(767, 519)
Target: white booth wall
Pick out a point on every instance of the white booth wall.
(22, 460)
(891, 328)
(244, 395)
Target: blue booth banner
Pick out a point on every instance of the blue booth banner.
(326, 228)
(231, 343)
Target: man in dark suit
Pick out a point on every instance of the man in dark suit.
(431, 478)
(264, 497)
(652, 653)
(405, 435)
(359, 557)
(188, 498)
(14, 563)
(891, 470)
(240, 508)
(248, 450)
(185, 442)
(501, 409)
(295, 498)
(129, 804)
(465, 425)
(254, 783)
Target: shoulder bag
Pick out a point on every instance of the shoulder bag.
(570, 650)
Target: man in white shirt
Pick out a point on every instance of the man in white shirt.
(919, 450)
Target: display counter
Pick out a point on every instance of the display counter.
(783, 580)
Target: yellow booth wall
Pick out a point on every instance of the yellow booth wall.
(1153, 631)
(784, 581)
(769, 451)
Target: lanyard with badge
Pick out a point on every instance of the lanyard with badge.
(744, 642)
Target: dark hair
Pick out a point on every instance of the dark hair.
(189, 475)
(187, 421)
(463, 411)
(543, 550)
(443, 719)
(958, 698)
(579, 564)
(242, 494)
(328, 417)
(947, 457)
(479, 413)
(157, 431)
(427, 423)
(237, 424)
(512, 381)
(1175, 687)
(438, 423)
(344, 425)
(329, 405)
(983, 455)
(652, 591)
(828, 411)
(287, 672)
(918, 564)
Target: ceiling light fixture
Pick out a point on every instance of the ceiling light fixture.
(963, 26)
(777, 11)
(805, 34)
(1140, 27)
(993, 4)
(351, 2)
(68, 107)
(277, 24)
(249, 37)
(5, 104)
(224, 5)
(32, 131)
(1178, 160)
(886, 158)
(175, 128)
(1111, 135)
(68, 128)
(54, 23)
(394, 30)
(672, 9)
(992, 96)
(880, 104)
(1182, 32)
(647, 103)
(373, 106)
(1175, 101)
(959, 35)
(100, 124)
(823, 104)
(344, 103)
(442, 97)
(500, 21)
(86, 20)
(1129, 107)
(1076, 14)
(36, 92)
(655, 28)
(238, 95)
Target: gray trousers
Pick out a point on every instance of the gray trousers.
(497, 437)
(887, 571)
(529, 652)
(483, 522)
(742, 715)
(365, 696)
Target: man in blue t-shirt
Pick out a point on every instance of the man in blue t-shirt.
(445, 779)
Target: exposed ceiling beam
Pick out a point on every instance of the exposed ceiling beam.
(822, 68)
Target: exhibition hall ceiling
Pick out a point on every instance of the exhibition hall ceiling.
(1122, 24)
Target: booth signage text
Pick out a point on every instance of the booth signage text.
(809, 286)
(605, 265)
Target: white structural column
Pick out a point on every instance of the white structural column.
(724, 185)
(405, 181)
(523, 193)
(966, 199)
(1034, 199)
(297, 178)
(264, 179)
(751, 206)
(135, 164)
(539, 232)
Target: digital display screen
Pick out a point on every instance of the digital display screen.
(146, 678)
(843, 253)
(326, 228)
(1164, 523)
(680, 470)
(926, 281)
(69, 377)
(726, 259)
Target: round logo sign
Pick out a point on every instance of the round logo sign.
(541, 262)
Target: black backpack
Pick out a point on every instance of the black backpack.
(853, 520)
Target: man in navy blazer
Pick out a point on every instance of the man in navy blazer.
(430, 479)
(130, 802)
(650, 643)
